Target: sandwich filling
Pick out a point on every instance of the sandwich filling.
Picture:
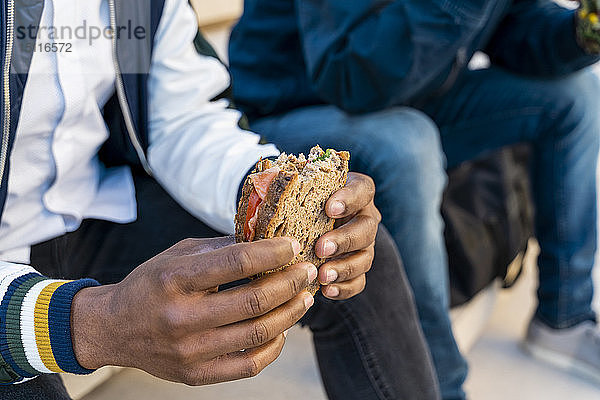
(286, 197)
(261, 182)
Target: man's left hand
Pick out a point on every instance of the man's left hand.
(350, 247)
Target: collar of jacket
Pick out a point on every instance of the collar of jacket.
(126, 113)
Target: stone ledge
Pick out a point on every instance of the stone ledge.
(212, 13)
(80, 385)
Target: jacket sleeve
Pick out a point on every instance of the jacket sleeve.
(366, 55)
(35, 324)
(197, 151)
(538, 38)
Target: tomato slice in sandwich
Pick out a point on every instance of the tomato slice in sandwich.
(253, 202)
(261, 182)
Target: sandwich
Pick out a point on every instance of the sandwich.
(287, 197)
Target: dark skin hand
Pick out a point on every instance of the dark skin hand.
(167, 317)
(349, 248)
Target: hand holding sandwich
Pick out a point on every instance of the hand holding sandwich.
(167, 317)
(317, 201)
(350, 247)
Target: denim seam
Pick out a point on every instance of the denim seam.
(563, 262)
(369, 362)
(561, 220)
(560, 223)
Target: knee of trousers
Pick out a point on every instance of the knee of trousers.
(405, 154)
(575, 105)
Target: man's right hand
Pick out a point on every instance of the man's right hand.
(168, 318)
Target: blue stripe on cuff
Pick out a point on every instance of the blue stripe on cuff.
(59, 325)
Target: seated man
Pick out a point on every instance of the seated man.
(336, 72)
(144, 96)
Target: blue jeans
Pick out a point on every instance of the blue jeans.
(401, 149)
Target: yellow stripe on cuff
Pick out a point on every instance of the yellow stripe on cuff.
(42, 332)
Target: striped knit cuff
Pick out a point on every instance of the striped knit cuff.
(35, 324)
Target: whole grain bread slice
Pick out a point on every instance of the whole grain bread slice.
(295, 202)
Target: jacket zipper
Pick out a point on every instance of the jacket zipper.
(6, 85)
(121, 93)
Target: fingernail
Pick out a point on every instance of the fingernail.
(337, 208)
(312, 273)
(296, 246)
(309, 301)
(329, 248)
(332, 276)
(332, 291)
(285, 333)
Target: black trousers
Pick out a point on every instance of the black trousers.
(368, 347)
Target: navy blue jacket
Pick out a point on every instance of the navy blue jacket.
(128, 142)
(367, 55)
